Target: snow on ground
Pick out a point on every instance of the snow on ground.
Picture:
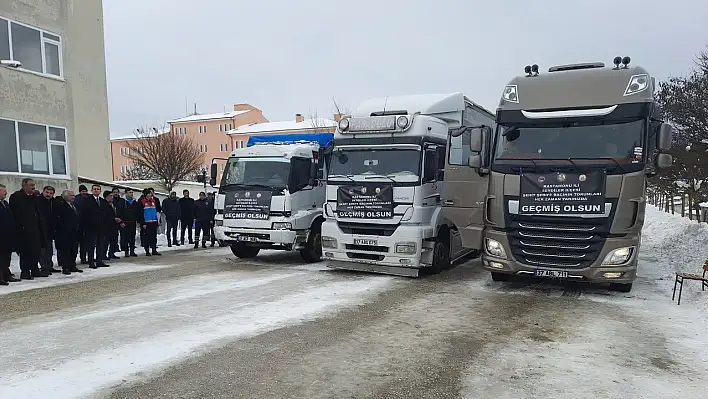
(141, 333)
(119, 267)
(614, 345)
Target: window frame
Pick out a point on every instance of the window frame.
(42, 44)
(50, 143)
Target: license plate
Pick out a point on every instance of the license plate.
(246, 238)
(550, 273)
(364, 241)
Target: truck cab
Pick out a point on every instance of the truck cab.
(271, 195)
(384, 206)
(565, 172)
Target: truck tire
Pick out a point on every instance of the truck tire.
(243, 251)
(500, 276)
(621, 287)
(312, 253)
(441, 253)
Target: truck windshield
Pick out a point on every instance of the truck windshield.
(620, 141)
(392, 163)
(256, 172)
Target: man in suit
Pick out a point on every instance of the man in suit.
(83, 194)
(66, 222)
(128, 210)
(7, 238)
(46, 208)
(30, 238)
(92, 226)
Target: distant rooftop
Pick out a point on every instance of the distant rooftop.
(205, 117)
(160, 131)
(307, 124)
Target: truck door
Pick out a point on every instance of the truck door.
(465, 190)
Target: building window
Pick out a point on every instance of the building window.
(37, 50)
(205, 148)
(221, 127)
(241, 143)
(205, 129)
(230, 126)
(33, 149)
(200, 129)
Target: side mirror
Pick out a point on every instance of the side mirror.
(477, 134)
(214, 172)
(474, 161)
(664, 161)
(663, 140)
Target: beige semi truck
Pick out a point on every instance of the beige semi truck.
(557, 188)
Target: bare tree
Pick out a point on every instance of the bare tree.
(168, 157)
(343, 111)
(137, 171)
(318, 124)
(702, 60)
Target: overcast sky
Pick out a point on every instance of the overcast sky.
(288, 57)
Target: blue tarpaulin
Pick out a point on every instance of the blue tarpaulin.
(323, 139)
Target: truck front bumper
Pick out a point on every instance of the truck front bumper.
(378, 254)
(261, 238)
(595, 273)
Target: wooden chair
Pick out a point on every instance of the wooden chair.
(680, 277)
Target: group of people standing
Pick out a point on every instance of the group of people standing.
(91, 226)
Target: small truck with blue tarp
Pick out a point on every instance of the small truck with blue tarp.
(271, 195)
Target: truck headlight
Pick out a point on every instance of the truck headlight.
(282, 226)
(218, 222)
(328, 242)
(495, 248)
(511, 93)
(618, 256)
(406, 248)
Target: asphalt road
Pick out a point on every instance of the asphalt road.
(212, 326)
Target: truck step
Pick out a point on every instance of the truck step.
(380, 269)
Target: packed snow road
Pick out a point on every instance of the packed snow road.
(211, 326)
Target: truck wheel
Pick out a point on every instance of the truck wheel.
(441, 253)
(312, 252)
(500, 276)
(243, 251)
(621, 287)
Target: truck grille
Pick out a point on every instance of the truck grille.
(385, 230)
(567, 243)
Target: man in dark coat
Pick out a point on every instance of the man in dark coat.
(115, 245)
(212, 198)
(83, 194)
(46, 208)
(7, 238)
(186, 208)
(92, 226)
(30, 238)
(66, 222)
(170, 207)
(111, 226)
(203, 215)
(128, 210)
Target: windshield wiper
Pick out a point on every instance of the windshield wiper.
(345, 176)
(381, 176)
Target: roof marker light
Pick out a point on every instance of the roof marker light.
(534, 69)
(527, 70)
(344, 124)
(511, 93)
(626, 61)
(637, 83)
(402, 122)
(617, 61)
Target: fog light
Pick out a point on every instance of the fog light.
(406, 248)
(328, 242)
(496, 265)
(612, 275)
(329, 254)
(404, 261)
(282, 226)
(495, 248)
(618, 256)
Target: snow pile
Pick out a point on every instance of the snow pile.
(671, 244)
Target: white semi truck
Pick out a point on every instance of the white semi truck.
(271, 195)
(383, 211)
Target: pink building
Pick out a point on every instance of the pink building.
(209, 132)
(240, 135)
